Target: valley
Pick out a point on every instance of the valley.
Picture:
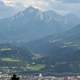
(40, 42)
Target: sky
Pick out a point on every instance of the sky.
(61, 6)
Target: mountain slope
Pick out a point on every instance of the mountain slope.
(61, 46)
(73, 34)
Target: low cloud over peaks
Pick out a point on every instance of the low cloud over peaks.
(61, 6)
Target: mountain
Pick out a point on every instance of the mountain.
(31, 24)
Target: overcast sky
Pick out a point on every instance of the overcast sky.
(61, 6)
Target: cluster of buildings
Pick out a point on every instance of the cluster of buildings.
(6, 76)
(72, 78)
(57, 78)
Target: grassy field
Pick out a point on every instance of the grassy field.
(5, 49)
(36, 67)
(10, 60)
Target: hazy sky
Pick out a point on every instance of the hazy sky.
(61, 6)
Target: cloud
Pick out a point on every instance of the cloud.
(64, 6)
(40, 4)
(71, 1)
(6, 11)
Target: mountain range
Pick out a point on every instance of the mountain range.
(32, 24)
(52, 39)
